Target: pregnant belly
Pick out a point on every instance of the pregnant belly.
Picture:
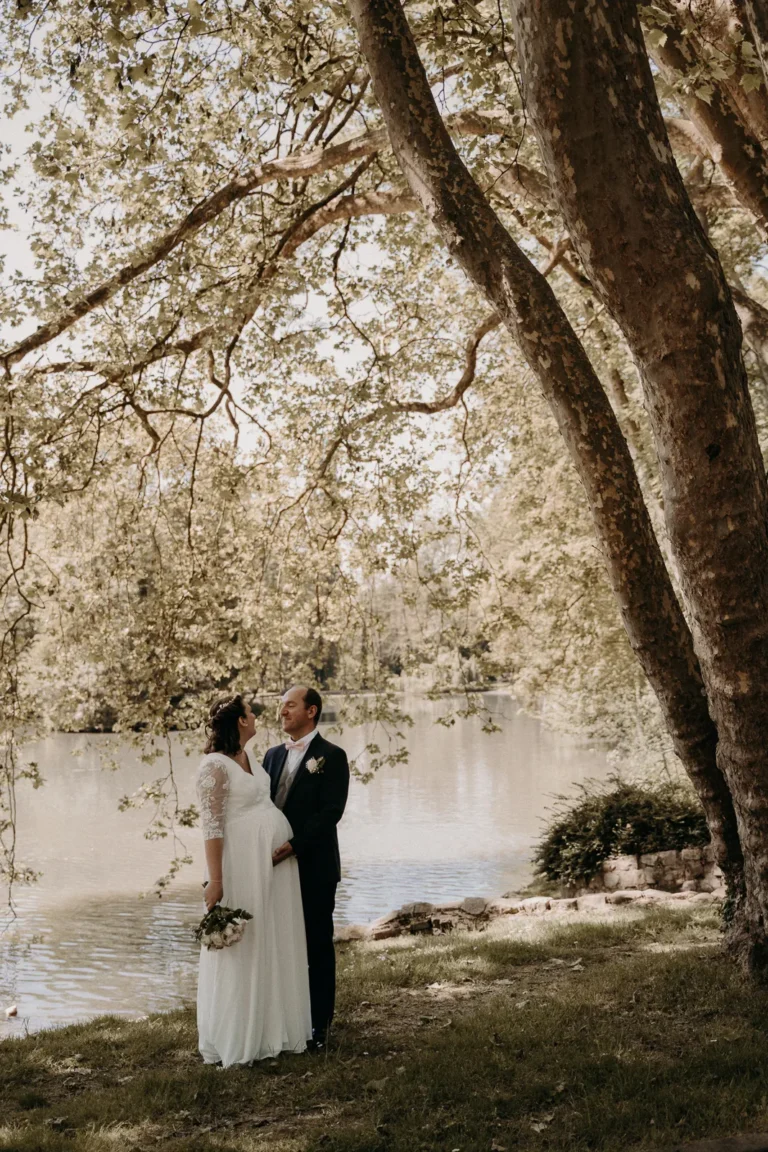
(282, 828)
(265, 821)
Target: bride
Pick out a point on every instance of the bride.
(253, 997)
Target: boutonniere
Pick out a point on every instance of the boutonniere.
(315, 765)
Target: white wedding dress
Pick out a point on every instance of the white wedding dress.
(253, 997)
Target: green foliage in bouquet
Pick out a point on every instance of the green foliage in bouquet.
(222, 926)
(616, 819)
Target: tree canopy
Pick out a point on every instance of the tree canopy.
(259, 422)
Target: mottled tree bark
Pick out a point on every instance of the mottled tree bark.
(754, 325)
(591, 98)
(754, 322)
(478, 241)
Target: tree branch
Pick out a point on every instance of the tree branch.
(394, 202)
(300, 165)
(427, 407)
(754, 15)
(739, 154)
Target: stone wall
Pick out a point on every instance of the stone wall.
(690, 874)
(689, 870)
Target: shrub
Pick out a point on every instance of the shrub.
(617, 819)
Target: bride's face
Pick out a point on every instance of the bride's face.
(247, 725)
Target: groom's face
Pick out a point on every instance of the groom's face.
(295, 717)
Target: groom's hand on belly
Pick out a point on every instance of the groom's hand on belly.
(282, 853)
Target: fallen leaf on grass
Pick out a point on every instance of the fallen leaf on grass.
(377, 1085)
(521, 1004)
(542, 1122)
(496, 1147)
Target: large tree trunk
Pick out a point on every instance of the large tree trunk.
(591, 98)
(478, 241)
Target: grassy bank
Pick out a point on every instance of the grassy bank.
(574, 1035)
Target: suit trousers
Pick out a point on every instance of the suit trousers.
(319, 900)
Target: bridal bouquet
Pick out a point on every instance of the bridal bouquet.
(222, 927)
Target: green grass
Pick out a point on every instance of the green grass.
(632, 1033)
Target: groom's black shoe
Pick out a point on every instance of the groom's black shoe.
(318, 1041)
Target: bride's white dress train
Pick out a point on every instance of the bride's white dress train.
(252, 998)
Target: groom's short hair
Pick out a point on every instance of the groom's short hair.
(312, 696)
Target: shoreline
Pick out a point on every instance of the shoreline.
(560, 1031)
(476, 913)
(499, 917)
(419, 690)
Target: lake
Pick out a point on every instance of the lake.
(459, 819)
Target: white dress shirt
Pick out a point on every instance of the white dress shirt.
(296, 755)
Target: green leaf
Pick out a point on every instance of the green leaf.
(751, 81)
(656, 37)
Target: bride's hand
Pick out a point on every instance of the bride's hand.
(214, 894)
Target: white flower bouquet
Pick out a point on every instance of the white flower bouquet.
(222, 927)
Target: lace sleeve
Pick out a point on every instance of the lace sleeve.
(212, 789)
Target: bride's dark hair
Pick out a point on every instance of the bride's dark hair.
(222, 727)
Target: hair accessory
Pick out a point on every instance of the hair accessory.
(222, 705)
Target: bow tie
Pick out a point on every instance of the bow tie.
(294, 745)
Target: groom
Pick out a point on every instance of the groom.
(310, 781)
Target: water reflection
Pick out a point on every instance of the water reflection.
(458, 819)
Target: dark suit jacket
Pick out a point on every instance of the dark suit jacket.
(314, 806)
